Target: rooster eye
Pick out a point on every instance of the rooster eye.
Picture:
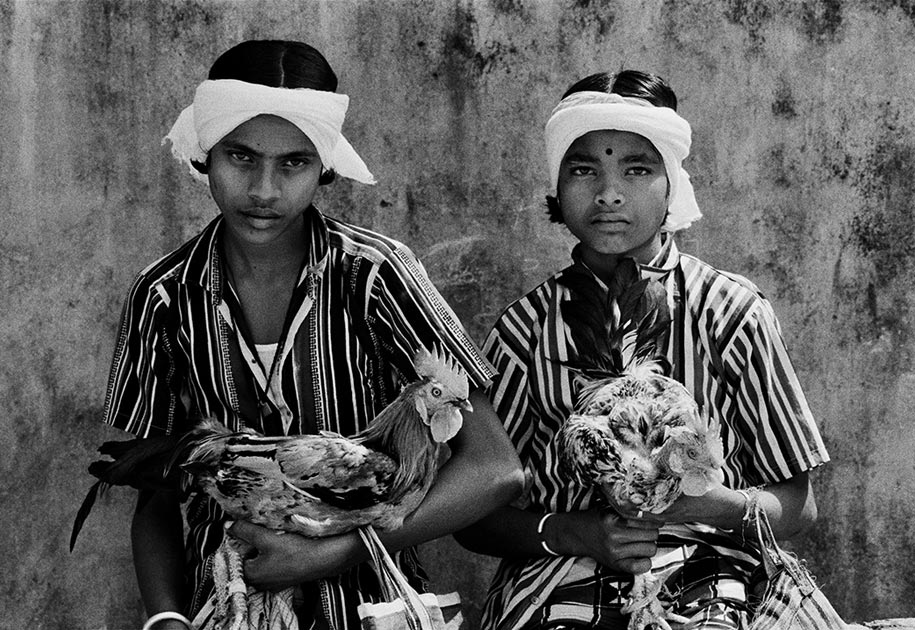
(436, 392)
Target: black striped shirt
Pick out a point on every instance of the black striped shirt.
(726, 348)
(361, 308)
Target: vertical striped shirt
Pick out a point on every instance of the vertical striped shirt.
(362, 306)
(725, 346)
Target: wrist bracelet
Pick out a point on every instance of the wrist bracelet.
(540, 526)
(168, 614)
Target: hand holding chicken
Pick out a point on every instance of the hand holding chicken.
(314, 485)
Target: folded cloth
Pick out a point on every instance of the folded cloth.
(583, 112)
(222, 105)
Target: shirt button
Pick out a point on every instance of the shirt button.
(535, 599)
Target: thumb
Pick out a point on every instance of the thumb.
(245, 530)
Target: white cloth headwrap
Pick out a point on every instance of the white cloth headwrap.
(221, 106)
(583, 112)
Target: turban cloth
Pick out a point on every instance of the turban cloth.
(583, 112)
(221, 106)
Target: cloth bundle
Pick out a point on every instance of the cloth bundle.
(792, 600)
(403, 608)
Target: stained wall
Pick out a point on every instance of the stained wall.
(804, 138)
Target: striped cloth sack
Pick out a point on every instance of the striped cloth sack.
(403, 608)
(792, 600)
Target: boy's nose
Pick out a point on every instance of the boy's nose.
(264, 186)
(609, 194)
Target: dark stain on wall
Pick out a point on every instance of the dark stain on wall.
(467, 58)
(821, 19)
(884, 181)
(884, 6)
(780, 167)
(783, 103)
(509, 7)
(180, 17)
(7, 11)
(593, 14)
(751, 15)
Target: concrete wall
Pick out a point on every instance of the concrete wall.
(804, 139)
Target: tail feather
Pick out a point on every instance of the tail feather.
(142, 463)
(97, 488)
(139, 463)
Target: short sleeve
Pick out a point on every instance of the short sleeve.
(778, 432)
(412, 314)
(142, 397)
(508, 348)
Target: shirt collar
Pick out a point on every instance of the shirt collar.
(657, 268)
(203, 266)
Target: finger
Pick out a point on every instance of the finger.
(651, 522)
(637, 550)
(641, 565)
(252, 568)
(245, 530)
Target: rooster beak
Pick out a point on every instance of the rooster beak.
(465, 405)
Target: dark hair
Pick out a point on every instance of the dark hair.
(631, 83)
(275, 63)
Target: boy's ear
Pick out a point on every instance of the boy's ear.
(553, 209)
(327, 177)
(201, 167)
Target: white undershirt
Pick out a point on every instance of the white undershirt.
(266, 352)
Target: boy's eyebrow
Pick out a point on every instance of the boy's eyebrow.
(241, 146)
(642, 157)
(579, 157)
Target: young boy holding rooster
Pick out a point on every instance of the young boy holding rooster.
(285, 321)
(615, 147)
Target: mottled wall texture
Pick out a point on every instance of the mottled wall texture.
(804, 146)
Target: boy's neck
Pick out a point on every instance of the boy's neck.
(267, 262)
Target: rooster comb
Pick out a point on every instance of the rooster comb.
(434, 365)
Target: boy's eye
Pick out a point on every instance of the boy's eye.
(239, 156)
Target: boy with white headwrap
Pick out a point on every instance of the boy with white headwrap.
(279, 318)
(615, 146)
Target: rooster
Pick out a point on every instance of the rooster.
(636, 434)
(314, 485)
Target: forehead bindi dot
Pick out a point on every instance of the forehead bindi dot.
(609, 151)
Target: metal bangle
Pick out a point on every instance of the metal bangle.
(168, 614)
(540, 526)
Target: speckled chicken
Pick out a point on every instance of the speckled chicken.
(326, 484)
(636, 434)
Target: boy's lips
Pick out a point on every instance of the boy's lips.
(260, 214)
(609, 222)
